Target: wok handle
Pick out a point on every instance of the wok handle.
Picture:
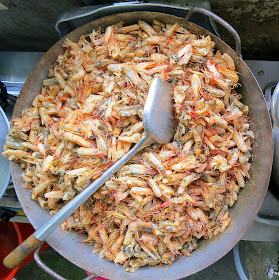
(21, 252)
(274, 106)
(48, 270)
(220, 21)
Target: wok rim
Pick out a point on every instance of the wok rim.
(211, 251)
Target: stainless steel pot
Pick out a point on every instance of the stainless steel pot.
(274, 108)
(4, 164)
(242, 213)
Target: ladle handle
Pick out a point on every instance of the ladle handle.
(220, 21)
(32, 242)
(21, 252)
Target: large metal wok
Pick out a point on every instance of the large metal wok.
(242, 213)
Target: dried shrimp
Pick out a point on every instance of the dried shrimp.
(89, 114)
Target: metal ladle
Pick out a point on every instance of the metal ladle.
(159, 126)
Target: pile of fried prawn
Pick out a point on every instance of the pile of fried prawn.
(89, 114)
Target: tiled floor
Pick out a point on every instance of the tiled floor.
(256, 257)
